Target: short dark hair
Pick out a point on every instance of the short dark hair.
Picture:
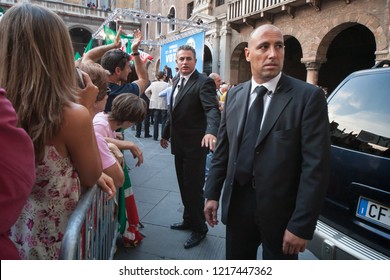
(187, 48)
(128, 107)
(114, 58)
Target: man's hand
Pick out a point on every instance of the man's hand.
(164, 143)
(106, 183)
(118, 43)
(293, 244)
(210, 212)
(136, 41)
(209, 141)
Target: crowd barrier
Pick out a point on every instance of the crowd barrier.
(92, 229)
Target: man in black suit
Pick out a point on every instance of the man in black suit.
(168, 74)
(275, 174)
(192, 127)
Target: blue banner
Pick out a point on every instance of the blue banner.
(168, 51)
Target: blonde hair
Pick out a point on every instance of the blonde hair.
(37, 69)
(99, 77)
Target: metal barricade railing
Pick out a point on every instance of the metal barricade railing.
(92, 228)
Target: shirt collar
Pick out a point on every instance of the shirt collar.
(270, 85)
(188, 76)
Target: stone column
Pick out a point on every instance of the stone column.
(215, 42)
(312, 67)
(225, 52)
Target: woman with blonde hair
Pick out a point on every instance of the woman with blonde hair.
(37, 70)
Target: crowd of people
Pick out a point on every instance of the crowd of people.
(62, 123)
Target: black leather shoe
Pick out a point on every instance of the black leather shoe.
(180, 226)
(148, 136)
(194, 240)
(138, 136)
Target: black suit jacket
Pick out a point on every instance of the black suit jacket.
(194, 114)
(292, 156)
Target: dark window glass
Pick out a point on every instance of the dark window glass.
(219, 2)
(172, 14)
(359, 114)
(190, 8)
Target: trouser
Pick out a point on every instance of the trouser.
(245, 233)
(146, 124)
(190, 176)
(160, 116)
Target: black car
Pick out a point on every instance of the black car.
(355, 220)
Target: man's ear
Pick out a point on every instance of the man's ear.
(118, 70)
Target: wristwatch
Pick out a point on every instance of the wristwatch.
(135, 53)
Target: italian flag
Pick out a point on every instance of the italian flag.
(126, 43)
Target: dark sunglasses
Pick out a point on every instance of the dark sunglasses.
(108, 91)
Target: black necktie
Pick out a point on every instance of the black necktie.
(179, 87)
(246, 152)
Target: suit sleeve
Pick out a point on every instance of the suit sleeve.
(315, 151)
(208, 97)
(219, 163)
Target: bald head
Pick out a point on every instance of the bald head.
(216, 78)
(263, 29)
(265, 52)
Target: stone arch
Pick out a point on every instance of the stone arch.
(292, 58)
(157, 67)
(85, 27)
(80, 36)
(326, 34)
(239, 67)
(207, 65)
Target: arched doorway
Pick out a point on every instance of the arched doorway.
(244, 68)
(80, 38)
(207, 60)
(240, 68)
(352, 49)
(292, 59)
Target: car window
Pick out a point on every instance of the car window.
(359, 114)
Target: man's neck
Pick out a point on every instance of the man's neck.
(113, 79)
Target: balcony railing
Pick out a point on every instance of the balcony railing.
(65, 8)
(239, 10)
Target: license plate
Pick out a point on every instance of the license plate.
(373, 212)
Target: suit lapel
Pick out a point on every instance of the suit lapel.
(174, 86)
(241, 99)
(279, 101)
(191, 81)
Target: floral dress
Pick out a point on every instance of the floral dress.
(40, 228)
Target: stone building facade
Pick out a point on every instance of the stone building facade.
(84, 17)
(325, 39)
